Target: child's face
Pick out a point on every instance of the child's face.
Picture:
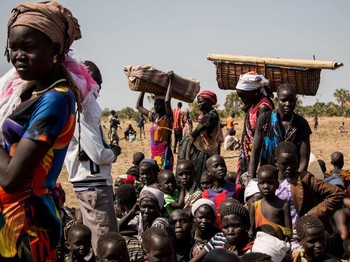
(112, 252)
(180, 224)
(167, 182)
(147, 177)
(204, 218)
(233, 229)
(117, 183)
(80, 244)
(185, 174)
(217, 168)
(314, 242)
(267, 184)
(287, 164)
(206, 182)
(161, 250)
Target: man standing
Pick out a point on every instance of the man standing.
(178, 124)
(89, 165)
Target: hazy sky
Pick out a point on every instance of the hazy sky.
(178, 35)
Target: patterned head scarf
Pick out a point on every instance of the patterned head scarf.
(50, 18)
(252, 81)
(208, 95)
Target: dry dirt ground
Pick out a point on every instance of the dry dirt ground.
(324, 142)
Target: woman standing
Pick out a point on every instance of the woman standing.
(250, 88)
(37, 107)
(205, 140)
(161, 128)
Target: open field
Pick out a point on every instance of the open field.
(324, 142)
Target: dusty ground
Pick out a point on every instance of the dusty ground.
(324, 142)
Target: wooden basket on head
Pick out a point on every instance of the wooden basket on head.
(303, 74)
(144, 86)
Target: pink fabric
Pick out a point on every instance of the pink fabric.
(208, 95)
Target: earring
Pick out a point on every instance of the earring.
(54, 59)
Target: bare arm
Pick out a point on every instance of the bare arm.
(252, 219)
(169, 93)
(262, 109)
(287, 217)
(181, 201)
(200, 256)
(255, 156)
(304, 152)
(139, 105)
(15, 170)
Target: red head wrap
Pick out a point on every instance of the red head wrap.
(208, 95)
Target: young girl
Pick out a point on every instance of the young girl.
(270, 209)
(79, 239)
(149, 170)
(311, 232)
(172, 197)
(203, 212)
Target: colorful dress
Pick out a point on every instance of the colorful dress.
(248, 135)
(160, 133)
(30, 223)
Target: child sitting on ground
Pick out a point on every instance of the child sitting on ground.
(311, 232)
(221, 189)
(111, 246)
(79, 240)
(231, 142)
(337, 160)
(305, 193)
(206, 180)
(185, 174)
(270, 209)
(158, 245)
(172, 196)
(135, 169)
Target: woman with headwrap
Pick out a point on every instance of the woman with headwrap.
(37, 109)
(250, 88)
(150, 204)
(161, 128)
(205, 140)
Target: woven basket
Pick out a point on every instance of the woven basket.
(305, 80)
(143, 86)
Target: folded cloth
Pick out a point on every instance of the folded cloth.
(182, 87)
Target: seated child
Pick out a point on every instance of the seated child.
(158, 245)
(135, 169)
(204, 216)
(221, 189)
(270, 209)
(231, 177)
(126, 199)
(231, 142)
(180, 228)
(235, 226)
(311, 232)
(206, 180)
(111, 246)
(337, 160)
(172, 197)
(185, 174)
(305, 193)
(79, 239)
(149, 170)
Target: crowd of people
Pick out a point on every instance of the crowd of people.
(180, 204)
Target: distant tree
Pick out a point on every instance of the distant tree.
(233, 104)
(342, 96)
(105, 112)
(128, 113)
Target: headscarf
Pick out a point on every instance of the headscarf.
(252, 81)
(200, 202)
(208, 95)
(50, 18)
(251, 189)
(153, 193)
(152, 163)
